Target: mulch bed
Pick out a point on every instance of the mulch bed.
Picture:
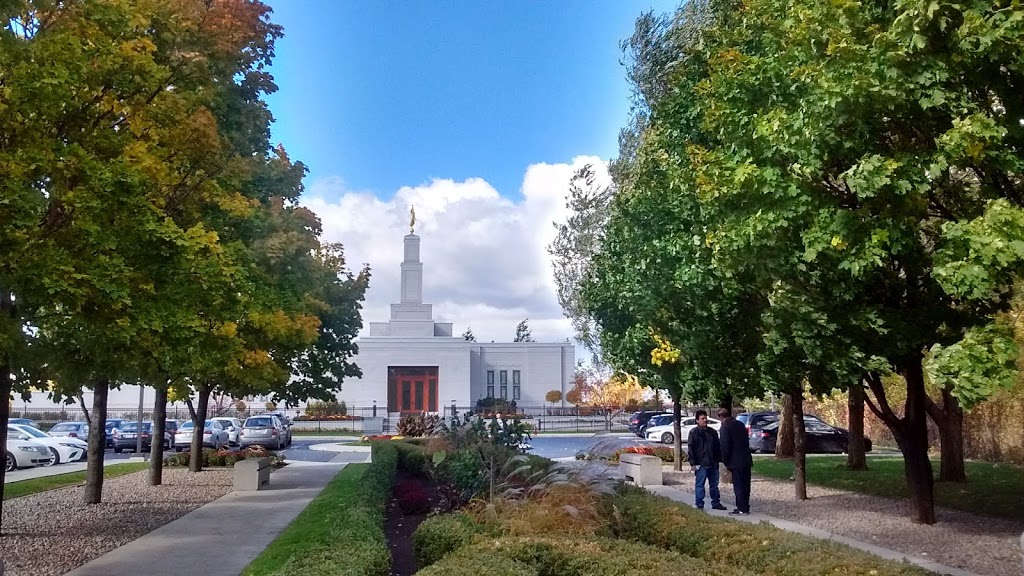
(399, 526)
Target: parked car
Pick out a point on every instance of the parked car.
(78, 430)
(755, 421)
(24, 422)
(25, 453)
(822, 438)
(61, 449)
(264, 430)
(638, 420)
(170, 429)
(666, 434)
(126, 436)
(111, 424)
(214, 435)
(233, 427)
(286, 423)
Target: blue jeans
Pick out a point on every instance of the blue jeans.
(711, 476)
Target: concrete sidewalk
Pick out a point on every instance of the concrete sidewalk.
(222, 537)
(686, 498)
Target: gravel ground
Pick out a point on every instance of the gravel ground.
(987, 546)
(51, 533)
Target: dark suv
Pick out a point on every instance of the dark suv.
(638, 420)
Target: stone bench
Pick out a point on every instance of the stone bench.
(640, 469)
(252, 474)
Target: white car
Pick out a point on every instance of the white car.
(25, 453)
(666, 433)
(61, 450)
(233, 427)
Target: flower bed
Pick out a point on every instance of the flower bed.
(226, 458)
(374, 437)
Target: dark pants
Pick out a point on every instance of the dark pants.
(741, 488)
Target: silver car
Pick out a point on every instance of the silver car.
(214, 436)
(265, 430)
(233, 427)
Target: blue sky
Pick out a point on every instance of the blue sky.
(384, 94)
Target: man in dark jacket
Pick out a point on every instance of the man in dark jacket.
(704, 453)
(736, 457)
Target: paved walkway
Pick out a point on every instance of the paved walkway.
(224, 536)
(686, 498)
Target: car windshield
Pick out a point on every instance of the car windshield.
(186, 426)
(64, 428)
(133, 426)
(258, 423)
(31, 432)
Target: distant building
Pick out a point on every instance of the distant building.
(413, 364)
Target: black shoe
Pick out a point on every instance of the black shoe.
(718, 507)
(739, 513)
(701, 508)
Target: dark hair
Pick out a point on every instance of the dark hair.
(700, 413)
(724, 413)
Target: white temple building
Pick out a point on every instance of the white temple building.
(411, 363)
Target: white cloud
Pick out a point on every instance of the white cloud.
(484, 256)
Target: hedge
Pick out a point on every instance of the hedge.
(341, 532)
(539, 556)
(441, 535)
(763, 548)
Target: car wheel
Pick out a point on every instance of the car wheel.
(54, 458)
(667, 438)
(11, 464)
(117, 450)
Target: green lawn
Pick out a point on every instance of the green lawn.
(991, 489)
(26, 487)
(342, 526)
(340, 432)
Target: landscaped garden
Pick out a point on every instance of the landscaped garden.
(467, 500)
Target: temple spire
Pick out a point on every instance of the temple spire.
(412, 219)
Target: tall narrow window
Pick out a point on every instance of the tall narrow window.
(490, 383)
(516, 384)
(503, 375)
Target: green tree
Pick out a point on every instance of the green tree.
(523, 332)
(856, 167)
(468, 335)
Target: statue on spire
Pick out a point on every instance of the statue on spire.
(412, 220)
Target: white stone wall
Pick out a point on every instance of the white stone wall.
(543, 367)
(450, 355)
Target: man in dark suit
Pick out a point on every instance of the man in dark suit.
(736, 457)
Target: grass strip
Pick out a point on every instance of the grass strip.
(21, 488)
(341, 531)
(326, 432)
(991, 489)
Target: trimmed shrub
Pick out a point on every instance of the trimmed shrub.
(412, 459)
(461, 475)
(441, 535)
(640, 516)
(583, 557)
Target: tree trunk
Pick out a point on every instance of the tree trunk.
(156, 446)
(949, 418)
(784, 443)
(727, 399)
(97, 442)
(914, 445)
(677, 431)
(195, 461)
(5, 415)
(856, 457)
(799, 445)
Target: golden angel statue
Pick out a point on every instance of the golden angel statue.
(412, 220)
